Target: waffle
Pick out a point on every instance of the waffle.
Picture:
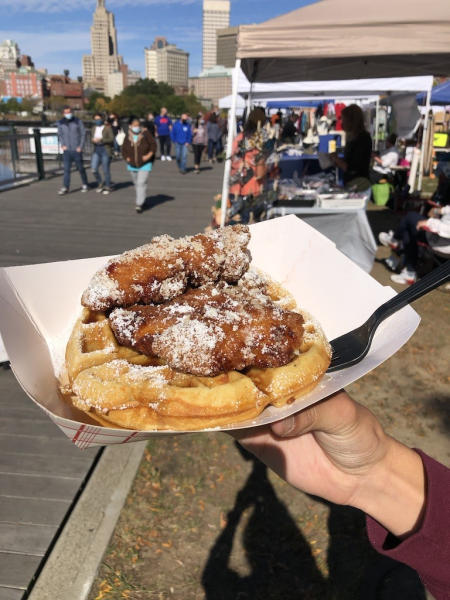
(92, 343)
(120, 386)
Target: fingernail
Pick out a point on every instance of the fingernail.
(288, 425)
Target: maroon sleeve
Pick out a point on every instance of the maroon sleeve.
(428, 550)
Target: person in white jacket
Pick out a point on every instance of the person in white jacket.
(434, 231)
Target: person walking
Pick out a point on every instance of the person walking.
(113, 120)
(138, 149)
(103, 142)
(199, 141)
(213, 131)
(72, 137)
(182, 138)
(149, 124)
(163, 129)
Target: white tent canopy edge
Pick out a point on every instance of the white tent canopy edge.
(357, 88)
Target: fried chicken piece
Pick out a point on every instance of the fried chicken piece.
(163, 269)
(213, 329)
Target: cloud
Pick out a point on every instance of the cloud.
(56, 6)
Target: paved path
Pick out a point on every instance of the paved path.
(40, 475)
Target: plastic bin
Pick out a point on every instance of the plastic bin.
(381, 193)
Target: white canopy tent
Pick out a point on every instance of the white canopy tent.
(330, 39)
(353, 89)
(349, 88)
(227, 101)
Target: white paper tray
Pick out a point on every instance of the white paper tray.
(38, 305)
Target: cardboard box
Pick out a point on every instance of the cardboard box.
(40, 303)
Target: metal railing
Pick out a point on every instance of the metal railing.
(33, 155)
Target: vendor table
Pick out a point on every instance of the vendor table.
(348, 228)
(307, 164)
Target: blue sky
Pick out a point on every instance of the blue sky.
(55, 33)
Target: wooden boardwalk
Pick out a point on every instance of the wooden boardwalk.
(41, 473)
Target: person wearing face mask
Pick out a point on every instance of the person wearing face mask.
(138, 149)
(182, 137)
(72, 137)
(199, 141)
(103, 142)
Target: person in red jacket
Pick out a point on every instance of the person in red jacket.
(336, 449)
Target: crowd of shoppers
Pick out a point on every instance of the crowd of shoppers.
(137, 143)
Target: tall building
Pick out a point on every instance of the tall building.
(133, 77)
(23, 83)
(212, 84)
(104, 58)
(69, 89)
(226, 46)
(216, 15)
(9, 56)
(165, 62)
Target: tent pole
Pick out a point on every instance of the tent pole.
(375, 143)
(231, 134)
(424, 139)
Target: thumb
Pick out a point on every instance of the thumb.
(331, 415)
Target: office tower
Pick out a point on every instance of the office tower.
(216, 15)
(226, 46)
(165, 62)
(104, 58)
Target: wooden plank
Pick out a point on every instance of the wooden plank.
(39, 486)
(110, 221)
(10, 593)
(37, 427)
(41, 474)
(34, 511)
(17, 570)
(44, 446)
(26, 539)
(34, 464)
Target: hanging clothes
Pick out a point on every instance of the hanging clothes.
(338, 108)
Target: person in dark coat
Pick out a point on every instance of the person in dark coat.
(138, 149)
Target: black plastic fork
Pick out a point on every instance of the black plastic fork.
(350, 348)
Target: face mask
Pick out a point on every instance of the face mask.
(69, 117)
(98, 122)
(202, 121)
(136, 129)
(184, 121)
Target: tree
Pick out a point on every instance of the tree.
(10, 107)
(92, 103)
(193, 106)
(149, 87)
(66, 72)
(28, 105)
(56, 103)
(175, 105)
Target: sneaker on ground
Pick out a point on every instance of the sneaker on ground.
(392, 262)
(388, 239)
(163, 157)
(63, 191)
(139, 210)
(405, 277)
(169, 158)
(106, 190)
(84, 188)
(99, 189)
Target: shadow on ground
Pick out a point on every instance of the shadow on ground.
(152, 201)
(381, 220)
(120, 185)
(281, 562)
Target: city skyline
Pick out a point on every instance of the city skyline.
(58, 38)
